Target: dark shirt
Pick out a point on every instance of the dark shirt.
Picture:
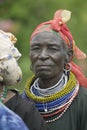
(75, 117)
(28, 112)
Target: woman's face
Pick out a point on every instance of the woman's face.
(48, 54)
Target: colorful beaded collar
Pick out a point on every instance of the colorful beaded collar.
(67, 89)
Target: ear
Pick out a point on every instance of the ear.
(69, 55)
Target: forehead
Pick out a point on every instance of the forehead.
(47, 37)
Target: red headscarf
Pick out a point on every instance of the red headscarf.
(58, 25)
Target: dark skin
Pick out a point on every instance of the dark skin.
(48, 54)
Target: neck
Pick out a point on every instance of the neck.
(48, 82)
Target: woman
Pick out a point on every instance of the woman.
(10, 74)
(58, 86)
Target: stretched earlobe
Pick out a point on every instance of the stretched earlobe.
(66, 68)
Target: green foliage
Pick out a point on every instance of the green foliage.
(27, 14)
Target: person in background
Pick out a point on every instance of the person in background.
(10, 74)
(58, 87)
(10, 120)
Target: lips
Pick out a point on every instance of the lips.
(43, 67)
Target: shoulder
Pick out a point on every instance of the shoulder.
(83, 92)
(32, 116)
(19, 105)
(28, 112)
(82, 97)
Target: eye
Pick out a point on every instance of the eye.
(35, 48)
(53, 48)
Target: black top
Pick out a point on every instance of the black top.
(28, 112)
(75, 118)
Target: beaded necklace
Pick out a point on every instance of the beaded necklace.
(48, 91)
(68, 87)
(57, 103)
(66, 107)
(3, 95)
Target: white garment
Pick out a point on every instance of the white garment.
(10, 72)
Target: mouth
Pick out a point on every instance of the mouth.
(43, 67)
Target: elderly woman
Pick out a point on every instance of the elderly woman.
(10, 74)
(58, 85)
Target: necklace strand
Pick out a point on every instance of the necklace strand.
(3, 95)
(58, 117)
(48, 91)
(68, 87)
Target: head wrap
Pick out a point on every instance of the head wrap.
(9, 56)
(58, 25)
(9, 36)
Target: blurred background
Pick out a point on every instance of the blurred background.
(22, 16)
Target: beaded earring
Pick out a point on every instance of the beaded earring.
(67, 68)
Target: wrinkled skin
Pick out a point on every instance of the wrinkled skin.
(10, 72)
(48, 54)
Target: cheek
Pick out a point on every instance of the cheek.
(33, 57)
(59, 60)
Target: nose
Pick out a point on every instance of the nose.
(43, 55)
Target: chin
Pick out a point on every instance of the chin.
(44, 75)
